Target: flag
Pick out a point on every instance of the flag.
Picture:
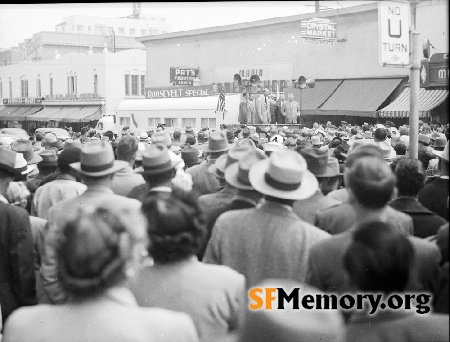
(221, 102)
(278, 92)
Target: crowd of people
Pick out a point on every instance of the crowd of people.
(158, 236)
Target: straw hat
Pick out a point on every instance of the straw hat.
(156, 160)
(237, 174)
(319, 163)
(284, 175)
(97, 160)
(217, 142)
(26, 147)
(49, 160)
(15, 164)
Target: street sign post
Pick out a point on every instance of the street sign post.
(393, 30)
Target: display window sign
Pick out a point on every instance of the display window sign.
(183, 76)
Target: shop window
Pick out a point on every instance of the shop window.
(170, 122)
(124, 121)
(142, 85)
(23, 87)
(208, 123)
(127, 85)
(134, 85)
(154, 122)
(132, 31)
(188, 122)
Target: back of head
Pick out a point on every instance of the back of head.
(379, 258)
(410, 176)
(380, 134)
(94, 248)
(176, 135)
(176, 226)
(127, 148)
(362, 151)
(371, 182)
(400, 148)
(68, 156)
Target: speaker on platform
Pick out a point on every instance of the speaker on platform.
(254, 80)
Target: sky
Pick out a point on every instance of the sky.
(20, 21)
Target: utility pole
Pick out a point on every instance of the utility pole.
(317, 6)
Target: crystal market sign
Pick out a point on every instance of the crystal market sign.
(84, 97)
(22, 100)
(435, 73)
(318, 31)
(175, 92)
(183, 76)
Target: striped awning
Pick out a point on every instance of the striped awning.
(428, 99)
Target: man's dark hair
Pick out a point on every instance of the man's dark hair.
(371, 181)
(410, 176)
(176, 135)
(362, 151)
(380, 134)
(400, 148)
(127, 147)
(379, 258)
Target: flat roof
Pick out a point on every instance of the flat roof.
(259, 23)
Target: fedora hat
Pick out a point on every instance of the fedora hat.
(284, 175)
(70, 143)
(97, 160)
(442, 154)
(143, 136)
(162, 138)
(49, 159)
(319, 163)
(217, 142)
(271, 147)
(439, 143)
(236, 153)
(218, 169)
(189, 155)
(25, 147)
(15, 163)
(368, 135)
(189, 128)
(315, 141)
(246, 142)
(156, 160)
(424, 139)
(386, 150)
(237, 174)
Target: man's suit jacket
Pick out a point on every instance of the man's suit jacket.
(398, 326)
(251, 113)
(291, 109)
(434, 197)
(203, 181)
(326, 268)
(269, 241)
(212, 295)
(17, 265)
(262, 107)
(426, 223)
(57, 218)
(340, 218)
(243, 112)
(306, 209)
(279, 111)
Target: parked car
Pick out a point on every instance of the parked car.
(15, 132)
(60, 133)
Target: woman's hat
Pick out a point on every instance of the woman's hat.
(190, 156)
(237, 174)
(319, 163)
(156, 160)
(15, 163)
(25, 147)
(284, 175)
(97, 160)
(49, 159)
(218, 142)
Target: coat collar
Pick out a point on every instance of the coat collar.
(409, 205)
(277, 209)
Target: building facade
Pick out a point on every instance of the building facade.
(57, 88)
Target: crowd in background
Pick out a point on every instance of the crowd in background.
(157, 236)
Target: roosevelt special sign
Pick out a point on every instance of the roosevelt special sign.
(174, 92)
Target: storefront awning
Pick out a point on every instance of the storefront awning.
(7, 111)
(428, 99)
(46, 114)
(312, 98)
(359, 97)
(66, 112)
(85, 114)
(22, 113)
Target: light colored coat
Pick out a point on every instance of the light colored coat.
(291, 111)
(306, 209)
(57, 218)
(212, 295)
(262, 110)
(103, 319)
(269, 241)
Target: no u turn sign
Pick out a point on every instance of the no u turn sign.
(393, 28)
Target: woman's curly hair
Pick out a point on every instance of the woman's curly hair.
(176, 226)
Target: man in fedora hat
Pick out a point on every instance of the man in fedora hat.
(189, 130)
(371, 185)
(25, 147)
(64, 186)
(126, 179)
(158, 171)
(165, 139)
(251, 242)
(17, 274)
(97, 166)
(47, 166)
(205, 182)
(326, 170)
(190, 157)
(434, 195)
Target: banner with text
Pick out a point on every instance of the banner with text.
(175, 92)
(318, 31)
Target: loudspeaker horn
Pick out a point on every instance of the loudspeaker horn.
(254, 80)
(311, 82)
(301, 82)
